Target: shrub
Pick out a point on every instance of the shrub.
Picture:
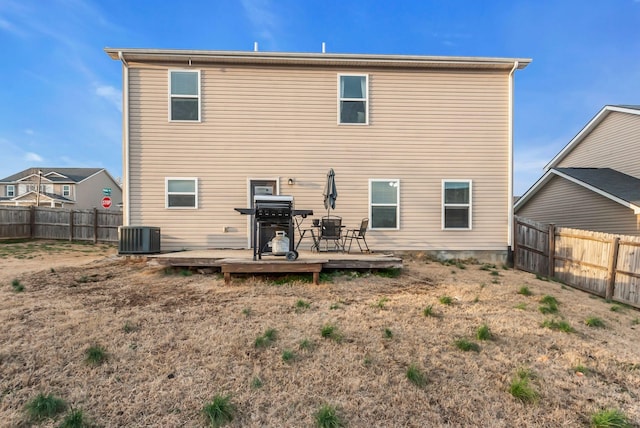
(466, 345)
(95, 355)
(416, 376)
(524, 290)
(484, 333)
(610, 418)
(219, 411)
(45, 406)
(446, 300)
(594, 322)
(327, 417)
(17, 286)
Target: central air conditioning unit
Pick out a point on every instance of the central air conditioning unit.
(138, 240)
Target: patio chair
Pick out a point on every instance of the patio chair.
(358, 235)
(331, 233)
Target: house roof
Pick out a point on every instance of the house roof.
(621, 188)
(196, 57)
(51, 196)
(71, 175)
(602, 114)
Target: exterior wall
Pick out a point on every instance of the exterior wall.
(614, 143)
(89, 194)
(567, 204)
(262, 122)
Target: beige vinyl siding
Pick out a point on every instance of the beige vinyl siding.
(261, 122)
(614, 143)
(568, 204)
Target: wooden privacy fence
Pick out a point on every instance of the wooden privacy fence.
(56, 223)
(601, 263)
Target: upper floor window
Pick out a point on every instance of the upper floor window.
(184, 95)
(456, 204)
(384, 208)
(182, 193)
(11, 190)
(353, 98)
(66, 190)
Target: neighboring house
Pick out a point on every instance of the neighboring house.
(594, 182)
(420, 145)
(75, 188)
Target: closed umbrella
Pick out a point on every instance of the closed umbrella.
(330, 191)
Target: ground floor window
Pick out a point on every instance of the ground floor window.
(456, 204)
(384, 203)
(182, 192)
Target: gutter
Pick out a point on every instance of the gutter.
(126, 212)
(510, 138)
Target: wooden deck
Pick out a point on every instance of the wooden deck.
(241, 261)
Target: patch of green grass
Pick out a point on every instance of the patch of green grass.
(388, 334)
(610, 418)
(446, 300)
(302, 305)
(594, 322)
(522, 390)
(558, 326)
(495, 273)
(247, 312)
(266, 339)
(95, 355)
(549, 300)
(291, 279)
(415, 376)
(428, 311)
(329, 331)
(334, 306)
(381, 302)
(524, 290)
(74, 419)
(256, 383)
(467, 345)
(580, 369)
(616, 308)
(388, 273)
(549, 305)
(128, 327)
(288, 355)
(495, 281)
(186, 272)
(476, 299)
(327, 417)
(635, 321)
(484, 333)
(17, 286)
(487, 266)
(45, 406)
(220, 411)
(548, 309)
(521, 306)
(306, 345)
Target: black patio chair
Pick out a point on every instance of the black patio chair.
(358, 235)
(331, 232)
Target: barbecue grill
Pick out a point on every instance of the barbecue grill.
(272, 214)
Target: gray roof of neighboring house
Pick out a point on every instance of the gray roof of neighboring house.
(615, 183)
(74, 175)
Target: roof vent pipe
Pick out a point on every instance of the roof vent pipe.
(324, 47)
(255, 46)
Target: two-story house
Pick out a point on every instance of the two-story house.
(422, 146)
(593, 183)
(77, 188)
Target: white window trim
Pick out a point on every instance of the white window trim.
(198, 96)
(397, 204)
(469, 205)
(366, 99)
(67, 188)
(166, 193)
(12, 191)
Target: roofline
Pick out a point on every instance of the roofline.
(300, 58)
(597, 119)
(548, 175)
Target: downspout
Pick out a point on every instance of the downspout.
(510, 137)
(126, 213)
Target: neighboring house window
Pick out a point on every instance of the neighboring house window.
(384, 206)
(66, 190)
(456, 204)
(184, 95)
(353, 96)
(182, 192)
(11, 190)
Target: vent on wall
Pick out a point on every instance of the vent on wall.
(138, 240)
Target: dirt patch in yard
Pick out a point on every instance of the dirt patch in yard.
(175, 340)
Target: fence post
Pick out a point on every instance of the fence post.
(95, 225)
(515, 242)
(70, 225)
(32, 221)
(552, 250)
(613, 264)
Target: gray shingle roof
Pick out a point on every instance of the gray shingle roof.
(74, 175)
(615, 183)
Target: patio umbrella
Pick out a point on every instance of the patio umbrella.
(330, 191)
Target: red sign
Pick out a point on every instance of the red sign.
(106, 202)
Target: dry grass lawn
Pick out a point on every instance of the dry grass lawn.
(175, 341)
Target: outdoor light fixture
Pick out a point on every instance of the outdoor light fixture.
(290, 181)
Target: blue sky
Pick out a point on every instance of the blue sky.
(62, 94)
